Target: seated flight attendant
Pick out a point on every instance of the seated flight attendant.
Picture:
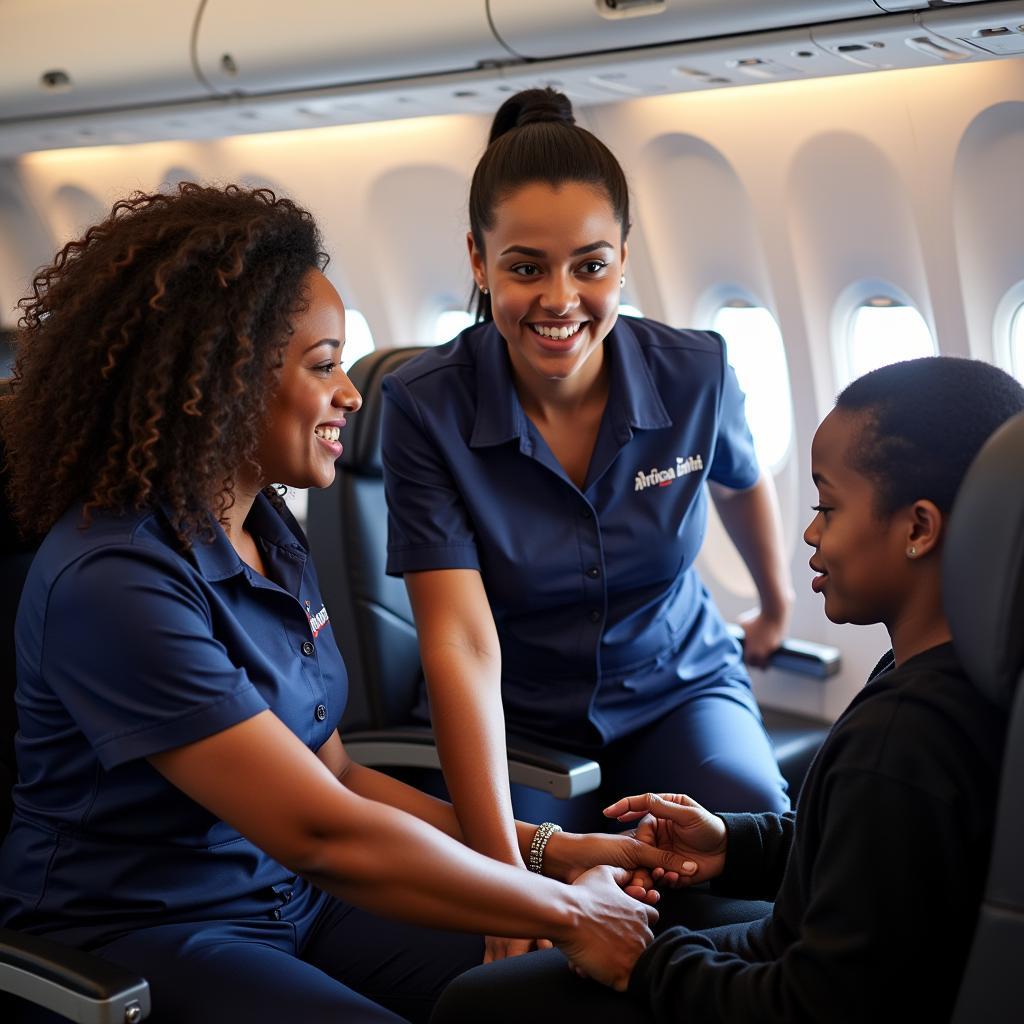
(186, 807)
(545, 477)
(878, 876)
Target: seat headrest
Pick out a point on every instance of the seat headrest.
(983, 565)
(362, 436)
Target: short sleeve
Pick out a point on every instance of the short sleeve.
(734, 463)
(428, 525)
(129, 650)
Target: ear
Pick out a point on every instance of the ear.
(476, 261)
(925, 528)
(624, 256)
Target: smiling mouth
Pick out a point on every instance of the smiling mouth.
(561, 333)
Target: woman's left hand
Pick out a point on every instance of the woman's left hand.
(763, 635)
(569, 854)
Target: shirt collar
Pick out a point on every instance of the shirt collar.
(633, 398)
(499, 415)
(217, 560)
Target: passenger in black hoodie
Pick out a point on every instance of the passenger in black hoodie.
(877, 877)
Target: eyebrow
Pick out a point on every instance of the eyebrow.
(818, 479)
(333, 342)
(525, 250)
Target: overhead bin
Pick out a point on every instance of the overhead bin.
(541, 28)
(66, 56)
(310, 44)
(992, 28)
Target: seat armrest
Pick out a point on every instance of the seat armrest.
(801, 657)
(68, 981)
(530, 764)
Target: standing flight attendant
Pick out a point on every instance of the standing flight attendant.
(185, 805)
(545, 475)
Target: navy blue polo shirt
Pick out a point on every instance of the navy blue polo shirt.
(125, 648)
(601, 615)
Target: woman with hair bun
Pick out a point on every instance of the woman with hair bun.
(545, 475)
(185, 806)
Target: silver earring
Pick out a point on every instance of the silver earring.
(484, 291)
(622, 281)
(911, 552)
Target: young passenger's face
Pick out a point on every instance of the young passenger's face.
(859, 558)
(300, 437)
(552, 263)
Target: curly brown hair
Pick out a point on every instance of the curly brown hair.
(147, 351)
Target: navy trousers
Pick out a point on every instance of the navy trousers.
(314, 959)
(713, 747)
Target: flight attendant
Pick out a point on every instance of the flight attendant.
(186, 807)
(545, 474)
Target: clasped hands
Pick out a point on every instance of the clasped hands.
(674, 842)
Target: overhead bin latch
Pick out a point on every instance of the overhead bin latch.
(629, 8)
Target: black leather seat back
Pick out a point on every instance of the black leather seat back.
(15, 558)
(983, 584)
(347, 530)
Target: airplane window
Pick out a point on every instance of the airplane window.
(627, 310)
(451, 322)
(358, 338)
(756, 352)
(1017, 344)
(885, 330)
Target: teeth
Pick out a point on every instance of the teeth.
(556, 333)
(328, 433)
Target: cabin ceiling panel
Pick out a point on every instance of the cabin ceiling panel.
(307, 44)
(65, 56)
(542, 29)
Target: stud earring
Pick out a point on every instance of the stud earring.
(484, 291)
(911, 552)
(622, 281)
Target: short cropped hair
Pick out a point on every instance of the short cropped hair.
(926, 420)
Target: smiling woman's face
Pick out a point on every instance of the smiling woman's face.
(552, 263)
(299, 440)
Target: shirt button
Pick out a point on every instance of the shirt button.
(593, 572)
(594, 615)
(308, 648)
(321, 712)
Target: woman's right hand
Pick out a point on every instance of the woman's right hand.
(678, 824)
(612, 929)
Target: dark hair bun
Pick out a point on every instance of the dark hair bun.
(532, 106)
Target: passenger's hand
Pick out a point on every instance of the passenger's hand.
(569, 854)
(763, 634)
(498, 948)
(676, 824)
(613, 928)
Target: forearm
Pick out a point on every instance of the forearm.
(374, 785)
(752, 520)
(466, 711)
(386, 861)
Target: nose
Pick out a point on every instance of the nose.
(560, 294)
(813, 532)
(346, 396)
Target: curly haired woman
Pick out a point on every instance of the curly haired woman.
(186, 807)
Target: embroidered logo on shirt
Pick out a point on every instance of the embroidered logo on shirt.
(685, 464)
(318, 621)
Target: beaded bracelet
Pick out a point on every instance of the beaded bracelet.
(539, 843)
